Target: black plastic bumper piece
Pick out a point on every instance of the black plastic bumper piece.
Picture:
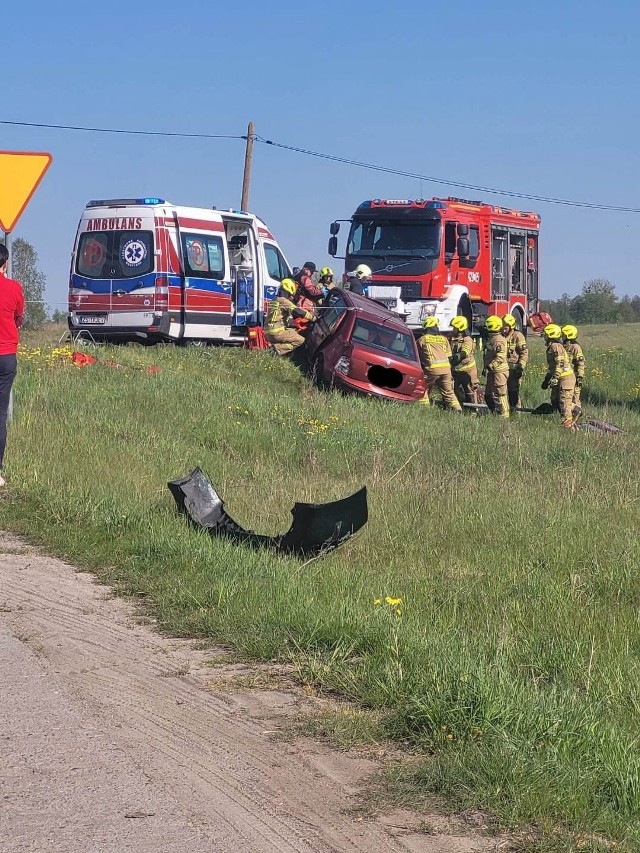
(315, 529)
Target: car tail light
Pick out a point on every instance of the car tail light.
(162, 293)
(343, 365)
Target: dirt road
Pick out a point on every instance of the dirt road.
(116, 739)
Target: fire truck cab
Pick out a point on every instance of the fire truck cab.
(145, 269)
(446, 256)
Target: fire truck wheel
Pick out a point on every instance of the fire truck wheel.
(521, 326)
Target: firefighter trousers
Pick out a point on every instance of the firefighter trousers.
(285, 341)
(576, 396)
(562, 398)
(465, 385)
(513, 389)
(442, 382)
(496, 395)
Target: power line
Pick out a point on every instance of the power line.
(125, 130)
(336, 159)
(446, 181)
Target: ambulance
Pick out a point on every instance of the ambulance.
(144, 269)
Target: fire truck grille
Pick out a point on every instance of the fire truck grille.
(408, 289)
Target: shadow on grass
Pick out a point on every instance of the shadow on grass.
(597, 398)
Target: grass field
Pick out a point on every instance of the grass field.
(509, 656)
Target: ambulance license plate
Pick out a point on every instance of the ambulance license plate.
(92, 319)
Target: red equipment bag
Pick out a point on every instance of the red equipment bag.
(256, 338)
(538, 321)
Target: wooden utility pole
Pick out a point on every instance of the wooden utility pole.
(248, 157)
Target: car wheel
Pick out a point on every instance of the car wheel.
(318, 373)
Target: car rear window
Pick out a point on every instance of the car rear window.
(377, 336)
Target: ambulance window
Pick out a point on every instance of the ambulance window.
(203, 256)
(277, 267)
(134, 253)
(92, 253)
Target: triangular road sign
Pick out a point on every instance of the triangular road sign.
(20, 174)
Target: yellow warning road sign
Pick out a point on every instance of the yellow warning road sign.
(20, 174)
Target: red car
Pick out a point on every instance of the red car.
(358, 345)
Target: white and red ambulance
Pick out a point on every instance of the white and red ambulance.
(145, 269)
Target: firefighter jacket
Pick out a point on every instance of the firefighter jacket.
(574, 351)
(558, 361)
(462, 357)
(281, 313)
(495, 354)
(517, 350)
(435, 352)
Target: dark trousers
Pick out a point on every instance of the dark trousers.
(8, 367)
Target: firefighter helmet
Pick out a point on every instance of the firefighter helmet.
(493, 323)
(509, 320)
(362, 271)
(570, 332)
(326, 271)
(431, 323)
(460, 323)
(289, 286)
(552, 332)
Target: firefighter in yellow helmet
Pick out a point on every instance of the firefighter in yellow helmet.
(573, 348)
(496, 368)
(281, 313)
(463, 362)
(517, 357)
(435, 353)
(560, 376)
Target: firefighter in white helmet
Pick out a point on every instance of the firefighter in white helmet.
(358, 280)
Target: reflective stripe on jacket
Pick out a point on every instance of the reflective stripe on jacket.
(495, 354)
(558, 361)
(435, 352)
(574, 351)
(463, 345)
(517, 350)
(280, 312)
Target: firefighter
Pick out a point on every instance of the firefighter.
(435, 353)
(560, 376)
(463, 363)
(570, 336)
(326, 279)
(517, 357)
(496, 368)
(281, 313)
(307, 290)
(359, 279)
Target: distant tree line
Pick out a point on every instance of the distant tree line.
(597, 303)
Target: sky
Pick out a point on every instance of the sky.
(532, 98)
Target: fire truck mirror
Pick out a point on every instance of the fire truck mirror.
(333, 246)
(463, 246)
(463, 230)
(334, 228)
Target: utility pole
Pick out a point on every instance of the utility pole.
(248, 157)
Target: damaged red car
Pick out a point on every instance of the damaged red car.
(358, 345)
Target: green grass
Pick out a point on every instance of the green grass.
(514, 661)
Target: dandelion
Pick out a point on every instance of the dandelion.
(377, 602)
(393, 602)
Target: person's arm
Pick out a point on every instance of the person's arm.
(18, 314)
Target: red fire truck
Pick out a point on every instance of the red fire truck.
(446, 256)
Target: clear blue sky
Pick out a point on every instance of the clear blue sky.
(539, 98)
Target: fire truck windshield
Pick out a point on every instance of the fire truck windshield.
(388, 237)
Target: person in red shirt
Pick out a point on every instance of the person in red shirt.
(307, 290)
(11, 317)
